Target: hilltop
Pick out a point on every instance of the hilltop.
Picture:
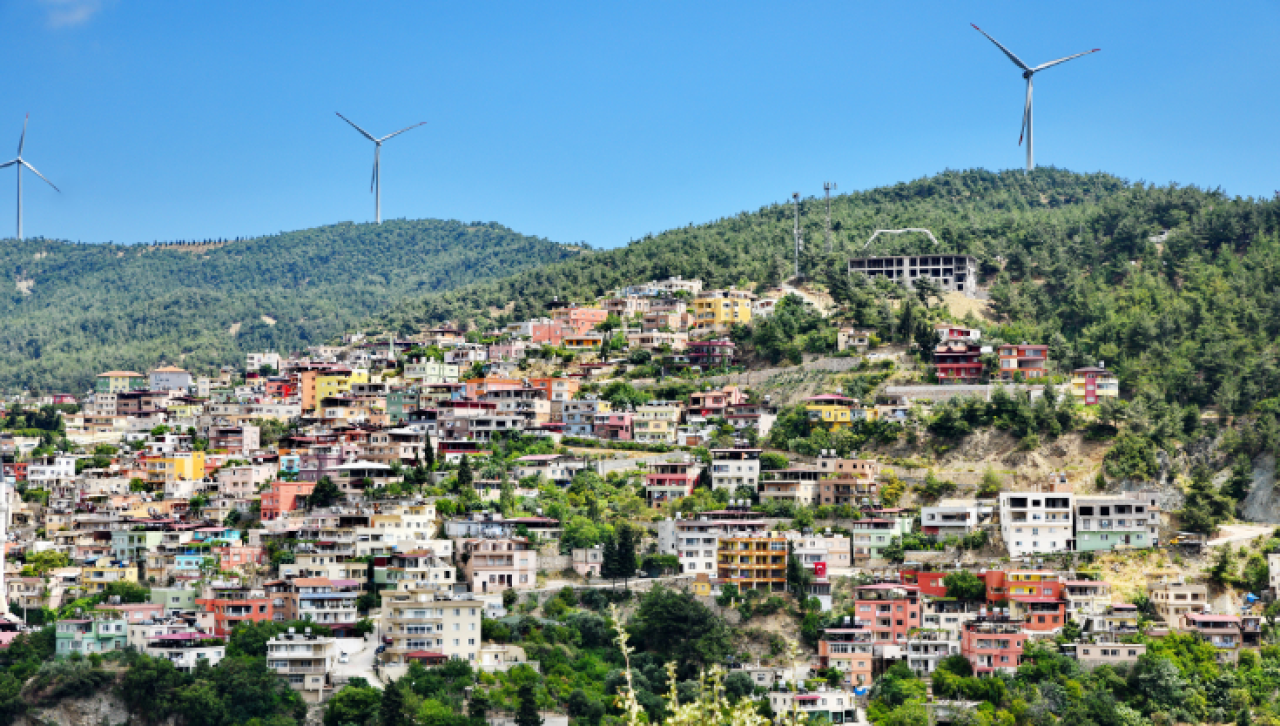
(75, 310)
(1173, 287)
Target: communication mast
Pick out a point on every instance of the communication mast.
(827, 187)
(795, 201)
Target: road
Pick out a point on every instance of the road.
(360, 652)
(1238, 533)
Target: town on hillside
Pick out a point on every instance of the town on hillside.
(737, 480)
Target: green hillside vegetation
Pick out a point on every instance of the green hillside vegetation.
(74, 310)
(1172, 287)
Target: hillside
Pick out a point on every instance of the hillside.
(74, 310)
(1173, 287)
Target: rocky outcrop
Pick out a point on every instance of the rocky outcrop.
(1263, 502)
(103, 708)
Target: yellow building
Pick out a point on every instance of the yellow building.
(95, 577)
(701, 585)
(656, 423)
(717, 310)
(187, 465)
(336, 383)
(118, 381)
(830, 411)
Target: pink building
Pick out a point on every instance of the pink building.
(993, 645)
(613, 426)
(671, 480)
(889, 610)
(234, 556)
(715, 403)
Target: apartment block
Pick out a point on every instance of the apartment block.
(735, 468)
(1037, 522)
(1027, 361)
(951, 273)
(754, 562)
(422, 620)
(304, 661)
(1130, 520)
(494, 565)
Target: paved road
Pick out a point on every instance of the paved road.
(1238, 533)
(360, 663)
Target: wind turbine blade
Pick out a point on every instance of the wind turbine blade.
(8, 163)
(22, 140)
(1026, 110)
(46, 181)
(367, 135)
(1016, 60)
(1050, 64)
(401, 131)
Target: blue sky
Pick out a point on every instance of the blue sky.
(600, 121)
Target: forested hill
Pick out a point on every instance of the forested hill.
(1174, 287)
(74, 310)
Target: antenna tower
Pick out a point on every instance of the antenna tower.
(827, 187)
(795, 201)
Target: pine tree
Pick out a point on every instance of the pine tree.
(609, 558)
(626, 551)
(429, 456)
(392, 711)
(527, 712)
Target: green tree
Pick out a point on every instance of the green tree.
(393, 708)
(324, 494)
(527, 711)
(678, 628)
(964, 585)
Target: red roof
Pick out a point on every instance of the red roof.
(1204, 617)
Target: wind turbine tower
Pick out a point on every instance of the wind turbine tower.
(19, 163)
(1027, 73)
(827, 187)
(375, 186)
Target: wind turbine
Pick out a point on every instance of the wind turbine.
(21, 162)
(375, 186)
(1027, 73)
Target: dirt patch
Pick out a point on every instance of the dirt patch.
(24, 286)
(960, 305)
(233, 330)
(268, 320)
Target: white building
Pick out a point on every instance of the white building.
(255, 361)
(695, 541)
(186, 650)
(51, 471)
(420, 617)
(304, 661)
(1038, 522)
(734, 468)
(170, 378)
(951, 517)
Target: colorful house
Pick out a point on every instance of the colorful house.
(120, 381)
(1090, 385)
(1026, 360)
(830, 411)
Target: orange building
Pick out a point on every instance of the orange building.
(557, 389)
(283, 497)
(234, 605)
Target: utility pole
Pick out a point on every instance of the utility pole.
(795, 200)
(827, 187)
